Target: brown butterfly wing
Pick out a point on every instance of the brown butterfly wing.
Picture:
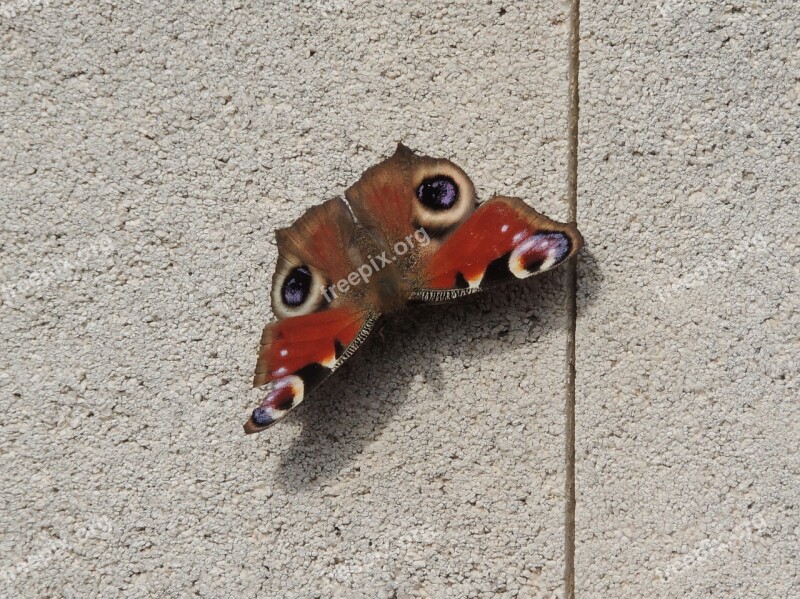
(320, 242)
(469, 249)
(317, 330)
(385, 201)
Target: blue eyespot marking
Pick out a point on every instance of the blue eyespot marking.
(438, 193)
(296, 286)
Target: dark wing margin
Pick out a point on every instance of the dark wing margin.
(433, 296)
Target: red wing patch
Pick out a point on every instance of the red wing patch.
(504, 239)
(290, 344)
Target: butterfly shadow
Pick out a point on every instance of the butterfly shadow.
(347, 412)
(352, 408)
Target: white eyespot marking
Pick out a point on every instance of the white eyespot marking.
(504, 229)
(329, 361)
(549, 263)
(285, 395)
(517, 267)
(538, 253)
(519, 237)
(475, 282)
(296, 290)
(444, 195)
(297, 387)
(284, 353)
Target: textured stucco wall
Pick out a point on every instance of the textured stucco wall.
(688, 407)
(175, 139)
(149, 152)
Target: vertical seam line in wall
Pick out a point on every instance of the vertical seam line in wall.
(572, 301)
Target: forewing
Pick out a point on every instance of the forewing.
(397, 201)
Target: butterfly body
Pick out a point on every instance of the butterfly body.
(387, 290)
(415, 235)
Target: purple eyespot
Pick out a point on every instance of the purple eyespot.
(296, 286)
(261, 417)
(438, 193)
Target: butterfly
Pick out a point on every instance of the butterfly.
(413, 233)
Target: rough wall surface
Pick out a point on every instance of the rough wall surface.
(148, 153)
(688, 420)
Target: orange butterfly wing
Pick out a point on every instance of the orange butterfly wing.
(299, 353)
(470, 247)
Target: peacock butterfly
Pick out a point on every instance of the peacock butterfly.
(416, 234)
